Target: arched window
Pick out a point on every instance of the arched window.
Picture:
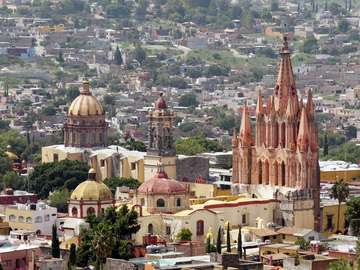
(47, 217)
(283, 134)
(74, 212)
(20, 219)
(283, 173)
(178, 202)
(150, 229)
(267, 174)
(276, 135)
(200, 227)
(90, 211)
(160, 203)
(28, 220)
(260, 172)
(276, 173)
(142, 202)
(38, 219)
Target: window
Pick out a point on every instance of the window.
(133, 166)
(150, 229)
(142, 202)
(243, 219)
(55, 157)
(90, 211)
(160, 203)
(178, 202)
(168, 230)
(28, 220)
(21, 219)
(74, 212)
(329, 224)
(12, 218)
(200, 227)
(47, 217)
(102, 162)
(38, 219)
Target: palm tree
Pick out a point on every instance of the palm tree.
(103, 243)
(340, 192)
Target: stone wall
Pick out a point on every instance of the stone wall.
(190, 168)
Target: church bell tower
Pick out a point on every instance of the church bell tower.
(161, 147)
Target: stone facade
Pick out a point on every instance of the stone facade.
(85, 125)
(190, 168)
(161, 148)
(284, 155)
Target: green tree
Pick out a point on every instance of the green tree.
(49, 111)
(4, 125)
(184, 234)
(239, 243)
(326, 145)
(63, 174)
(72, 93)
(12, 180)
(302, 243)
(115, 182)
(132, 144)
(103, 242)
(310, 45)
(340, 191)
(335, 9)
(118, 57)
(140, 54)
(197, 144)
(340, 265)
(343, 26)
(55, 244)
(72, 256)
(353, 214)
(121, 224)
(218, 241)
(59, 199)
(208, 244)
(228, 241)
(188, 100)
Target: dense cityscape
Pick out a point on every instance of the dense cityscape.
(179, 134)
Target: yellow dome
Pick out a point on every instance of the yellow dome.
(85, 104)
(92, 190)
(11, 155)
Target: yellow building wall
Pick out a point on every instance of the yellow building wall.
(333, 176)
(48, 29)
(333, 210)
(151, 166)
(19, 225)
(203, 190)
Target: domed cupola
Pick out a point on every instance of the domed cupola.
(161, 194)
(90, 197)
(85, 125)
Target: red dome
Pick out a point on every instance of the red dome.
(161, 184)
(160, 103)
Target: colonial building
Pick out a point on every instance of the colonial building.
(85, 125)
(282, 161)
(90, 197)
(161, 146)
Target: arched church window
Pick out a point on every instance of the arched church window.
(90, 211)
(283, 173)
(160, 203)
(74, 212)
(260, 172)
(200, 227)
(267, 173)
(276, 173)
(283, 138)
(276, 135)
(83, 138)
(150, 229)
